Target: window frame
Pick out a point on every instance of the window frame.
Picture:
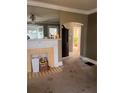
(37, 30)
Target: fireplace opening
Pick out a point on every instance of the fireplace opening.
(40, 63)
(43, 64)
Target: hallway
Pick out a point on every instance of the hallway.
(75, 77)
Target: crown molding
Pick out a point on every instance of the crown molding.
(62, 8)
(92, 11)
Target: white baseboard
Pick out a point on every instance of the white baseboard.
(60, 63)
(63, 58)
(89, 60)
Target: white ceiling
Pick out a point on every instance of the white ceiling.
(78, 4)
(43, 15)
(47, 10)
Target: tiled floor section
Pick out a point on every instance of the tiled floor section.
(75, 77)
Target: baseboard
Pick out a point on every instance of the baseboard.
(60, 63)
(63, 58)
(89, 60)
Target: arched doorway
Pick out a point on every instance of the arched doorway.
(74, 37)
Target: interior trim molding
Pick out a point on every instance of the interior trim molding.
(62, 8)
(60, 63)
(89, 60)
(64, 58)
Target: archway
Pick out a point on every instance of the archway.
(74, 37)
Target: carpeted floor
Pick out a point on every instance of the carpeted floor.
(74, 77)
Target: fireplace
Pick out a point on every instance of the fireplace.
(40, 59)
(39, 47)
(40, 63)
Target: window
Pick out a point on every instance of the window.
(53, 31)
(40, 33)
(35, 32)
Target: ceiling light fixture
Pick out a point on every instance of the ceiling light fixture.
(32, 17)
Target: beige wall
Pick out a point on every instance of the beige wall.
(91, 51)
(66, 17)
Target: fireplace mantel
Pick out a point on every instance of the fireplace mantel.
(50, 46)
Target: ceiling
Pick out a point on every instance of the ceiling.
(47, 11)
(43, 15)
(78, 4)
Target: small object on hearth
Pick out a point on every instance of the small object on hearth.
(35, 64)
(43, 64)
(41, 60)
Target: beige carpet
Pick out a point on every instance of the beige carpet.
(74, 77)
